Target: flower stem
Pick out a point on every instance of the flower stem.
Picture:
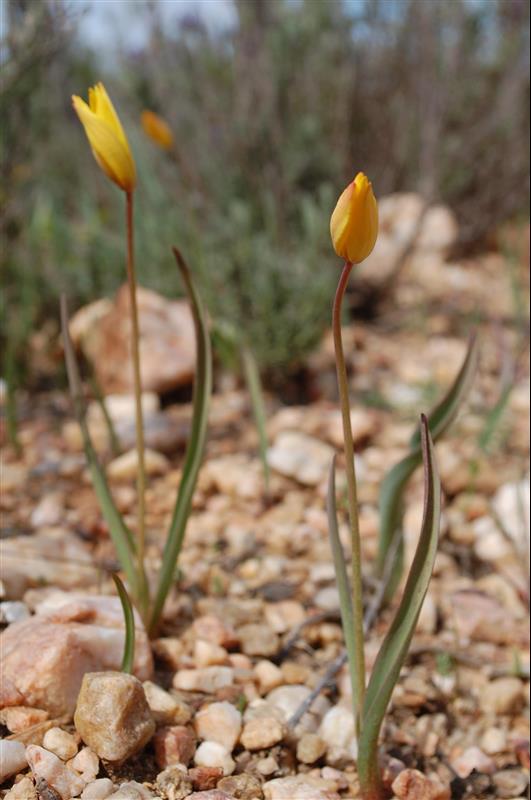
(135, 351)
(357, 670)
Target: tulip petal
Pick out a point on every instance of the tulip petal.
(105, 110)
(111, 154)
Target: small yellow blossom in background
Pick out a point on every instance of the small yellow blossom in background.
(106, 137)
(354, 222)
(157, 129)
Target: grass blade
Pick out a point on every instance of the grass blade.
(129, 621)
(254, 385)
(120, 534)
(343, 585)
(196, 444)
(396, 643)
(395, 482)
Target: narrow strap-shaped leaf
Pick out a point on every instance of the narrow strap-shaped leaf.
(129, 621)
(254, 385)
(196, 444)
(444, 413)
(396, 643)
(395, 482)
(343, 585)
(120, 534)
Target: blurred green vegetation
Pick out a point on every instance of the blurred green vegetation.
(272, 118)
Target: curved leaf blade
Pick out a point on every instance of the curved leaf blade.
(129, 621)
(196, 444)
(120, 534)
(396, 643)
(395, 482)
(343, 584)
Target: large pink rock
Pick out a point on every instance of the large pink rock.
(167, 341)
(43, 659)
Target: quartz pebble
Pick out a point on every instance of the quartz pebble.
(112, 715)
(299, 787)
(213, 754)
(244, 787)
(207, 679)
(23, 790)
(173, 783)
(19, 718)
(99, 789)
(48, 766)
(473, 759)
(166, 710)
(174, 745)
(132, 790)
(413, 785)
(258, 640)
(269, 676)
(87, 763)
(310, 748)
(60, 742)
(337, 731)
(511, 782)
(503, 695)
(262, 732)
(219, 722)
(208, 654)
(12, 758)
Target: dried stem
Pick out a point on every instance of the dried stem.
(357, 669)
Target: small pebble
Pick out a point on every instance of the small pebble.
(213, 754)
(12, 758)
(502, 696)
(219, 722)
(60, 742)
(261, 733)
(511, 782)
(310, 748)
(99, 789)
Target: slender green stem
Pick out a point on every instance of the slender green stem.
(358, 669)
(135, 351)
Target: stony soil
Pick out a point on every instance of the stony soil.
(253, 623)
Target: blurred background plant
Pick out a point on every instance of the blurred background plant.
(271, 113)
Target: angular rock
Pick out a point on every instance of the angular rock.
(205, 778)
(208, 654)
(43, 659)
(219, 722)
(174, 745)
(473, 759)
(213, 754)
(413, 785)
(167, 342)
(19, 718)
(112, 715)
(46, 765)
(12, 758)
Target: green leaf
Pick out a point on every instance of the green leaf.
(343, 585)
(120, 534)
(394, 648)
(196, 444)
(254, 385)
(395, 482)
(129, 621)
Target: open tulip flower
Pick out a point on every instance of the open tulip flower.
(354, 222)
(106, 137)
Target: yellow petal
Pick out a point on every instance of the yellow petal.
(157, 129)
(114, 158)
(105, 110)
(354, 221)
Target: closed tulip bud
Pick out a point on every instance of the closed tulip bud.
(354, 222)
(106, 137)
(157, 129)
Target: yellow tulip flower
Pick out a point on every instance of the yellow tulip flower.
(157, 129)
(354, 222)
(106, 137)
